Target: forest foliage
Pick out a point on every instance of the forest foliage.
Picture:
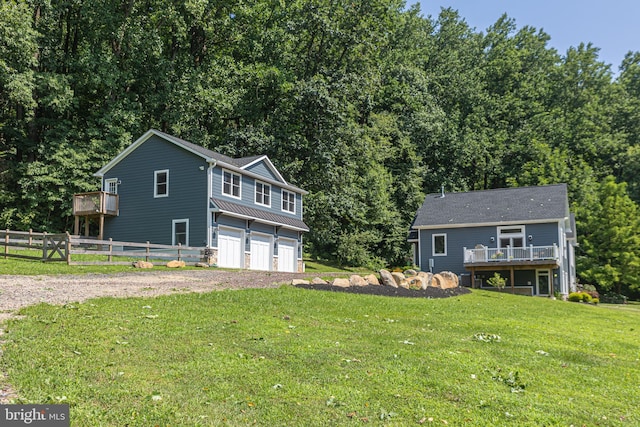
(368, 105)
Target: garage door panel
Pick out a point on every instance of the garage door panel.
(261, 252)
(287, 256)
(230, 248)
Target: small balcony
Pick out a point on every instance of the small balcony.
(483, 256)
(95, 203)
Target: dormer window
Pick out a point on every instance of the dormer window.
(263, 194)
(231, 184)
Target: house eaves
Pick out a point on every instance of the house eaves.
(245, 212)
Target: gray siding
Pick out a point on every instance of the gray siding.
(261, 169)
(545, 234)
(247, 193)
(145, 218)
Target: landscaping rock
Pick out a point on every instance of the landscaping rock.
(296, 282)
(341, 283)
(372, 279)
(410, 272)
(142, 264)
(318, 281)
(176, 264)
(202, 265)
(398, 277)
(356, 280)
(450, 280)
(387, 279)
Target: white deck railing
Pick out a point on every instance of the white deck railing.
(530, 253)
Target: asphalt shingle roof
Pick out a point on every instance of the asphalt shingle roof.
(501, 205)
(245, 211)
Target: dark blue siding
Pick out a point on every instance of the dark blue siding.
(261, 169)
(145, 218)
(545, 234)
(247, 193)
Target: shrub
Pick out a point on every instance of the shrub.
(595, 301)
(613, 298)
(575, 296)
(580, 297)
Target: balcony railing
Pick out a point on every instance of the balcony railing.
(509, 254)
(95, 203)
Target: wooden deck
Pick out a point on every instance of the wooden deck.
(96, 204)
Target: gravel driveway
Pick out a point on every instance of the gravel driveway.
(21, 291)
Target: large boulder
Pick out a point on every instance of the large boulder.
(356, 280)
(387, 279)
(446, 280)
(176, 264)
(372, 280)
(426, 278)
(142, 264)
(398, 277)
(296, 282)
(318, 281)
(341, 283)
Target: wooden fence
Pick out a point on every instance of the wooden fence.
(50, 247)
(77, 250)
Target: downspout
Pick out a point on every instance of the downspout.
(209, 228)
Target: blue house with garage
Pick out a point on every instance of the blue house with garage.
(166, 190)
(526, 234)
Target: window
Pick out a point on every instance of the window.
(288, 201)
(263, 193)
(231, 184)
(439, 244)
(111, 185)
(511, 236)
(161, 183)
(180, 232)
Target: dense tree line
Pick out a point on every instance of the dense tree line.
(368, 105)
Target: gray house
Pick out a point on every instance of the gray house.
(170, 191)
(526, 234)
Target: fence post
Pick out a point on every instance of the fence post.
(146, 258)
(6, 243)
(30, 237)
(179, 251)
(44, 246)
(110, 248)
(67, 248)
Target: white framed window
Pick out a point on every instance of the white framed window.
(263, 194)
(161, 183)
(180, 232)
(111, 185)
(288, 201)
(511, 236)
(439, 244)
(231, 184)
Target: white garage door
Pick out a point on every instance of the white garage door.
(230, 248)
(260, 252)
(287, 255)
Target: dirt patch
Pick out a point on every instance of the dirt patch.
(390, 291)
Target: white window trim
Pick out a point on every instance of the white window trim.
(239, 196)
(255, 195)
(173, 231)
(433, 244)
(521, 235)
(282, 201)
(108, 182)
(155, 183)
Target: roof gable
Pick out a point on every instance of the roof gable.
(499, 206)
(255, 166)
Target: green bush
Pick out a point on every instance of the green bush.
(613, 298)
(575, 296)
(595, 301)
(580, 297)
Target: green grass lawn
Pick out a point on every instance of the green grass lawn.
(299, 357)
